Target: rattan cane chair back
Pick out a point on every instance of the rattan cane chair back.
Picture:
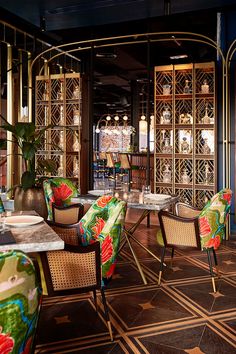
(76, 269)
(67, 215)
(186, 211)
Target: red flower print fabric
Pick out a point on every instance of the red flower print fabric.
(205, 228)
(102, 202)
(107, 249)
(213, 242)
(98, 227)
(6, 343)
(61, 193)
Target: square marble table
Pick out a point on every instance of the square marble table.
(35, 238)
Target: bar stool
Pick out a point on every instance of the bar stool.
(125, 168)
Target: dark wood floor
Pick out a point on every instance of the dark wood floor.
(181, 316)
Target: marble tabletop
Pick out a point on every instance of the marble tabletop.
(135, 199)
(35, 238)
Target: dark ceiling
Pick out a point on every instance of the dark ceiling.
(117, 69)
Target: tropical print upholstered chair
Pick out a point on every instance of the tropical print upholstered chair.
(58, 190)
(20, 299)
(204, 231)
(104, 222)
(2, 209)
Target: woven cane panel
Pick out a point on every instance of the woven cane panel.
(71, 84)
(164, 141)
(72, 270)
(164, 170)
(204, 74)
(185, 212)
(66, 216)
(202, 196)
(183, 171)
(205, 173)
(185, 195)
(69, 235)
(179, 233)
(181, 76)
(163, 78)
(183, 112)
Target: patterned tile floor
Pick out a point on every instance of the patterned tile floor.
(181, 316)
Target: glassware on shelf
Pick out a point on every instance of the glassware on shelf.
(167, 148)
(208, 174)
(76, 144)
(166, 116)
(167, 174)
(61, 121)
(76, 117)
(60, 92)
(185, 179)
(166, 89)
(206, 150)
(60, 170)
(185, 118)
(187, 87)
(76, 93)
(205, 87)
(75, 167)
(184, 146)
(46, 93)
(206, 119)
(61, 140)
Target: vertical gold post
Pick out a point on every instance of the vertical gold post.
(29, 94)
(9, 117)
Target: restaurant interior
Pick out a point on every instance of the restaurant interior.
(117, 177)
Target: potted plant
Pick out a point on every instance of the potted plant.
(29, 194)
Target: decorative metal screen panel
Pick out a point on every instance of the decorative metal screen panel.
(184, 171)
(185, 195)
(183, 82)
(205, 173)
(183, 112)
(202, 196)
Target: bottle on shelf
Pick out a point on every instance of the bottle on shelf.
(205, 87)
(185, 179)
(76, 144)
(60, 92)
(166, 89)
(186, 87)
(60, 169)
(76, 117)
(184, 146)
(75, 167)
(166, 116)
(46, 93)
(61, 121)
(167, 174)
(206, 150)
(185, 118)
(167, 148)
(206, 119)
(208, 174)
(76, 93)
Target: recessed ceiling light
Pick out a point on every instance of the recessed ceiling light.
(182, 56)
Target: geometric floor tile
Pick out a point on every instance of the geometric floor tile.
(181, 316)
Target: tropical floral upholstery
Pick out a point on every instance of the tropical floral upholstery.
(2, 209)
(58, 190)
(212, 219)
(20, 299)
(103, 222)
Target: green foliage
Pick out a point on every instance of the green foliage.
(28, 138)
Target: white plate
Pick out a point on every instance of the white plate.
(23, 220)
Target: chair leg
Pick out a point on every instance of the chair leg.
(95, 299)
(216, 263)
(211, 270)
(161, 265)
(172, 256)
(106, 313)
